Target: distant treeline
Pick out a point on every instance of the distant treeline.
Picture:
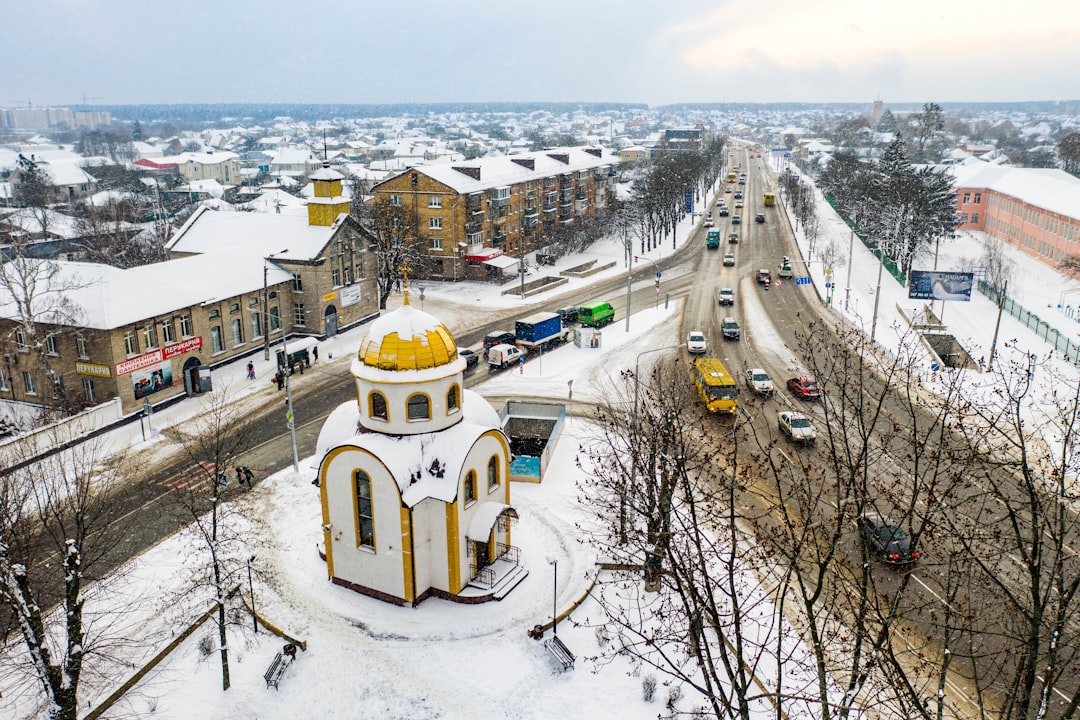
(262, 112)
(1050, 107)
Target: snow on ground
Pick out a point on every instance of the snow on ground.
(366, 658)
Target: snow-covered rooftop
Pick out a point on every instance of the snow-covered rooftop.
(286, 235)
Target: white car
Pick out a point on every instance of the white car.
(796, 426)
(759, 381)
(695, 342)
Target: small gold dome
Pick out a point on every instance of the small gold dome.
(407, 339)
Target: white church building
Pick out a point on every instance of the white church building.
(414, 474)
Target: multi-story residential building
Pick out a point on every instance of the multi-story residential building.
(472, 214)
(210, 165)
(1033, 209)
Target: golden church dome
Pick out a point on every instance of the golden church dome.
(407, 339)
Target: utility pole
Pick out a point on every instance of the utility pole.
(997, 326)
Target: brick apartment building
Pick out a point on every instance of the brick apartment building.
(474, 215)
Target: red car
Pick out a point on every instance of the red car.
(804, 387)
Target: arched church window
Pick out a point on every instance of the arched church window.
(365, 513)
(378, 406)
(452, 399)
(493, 472)
(419, 407)
(470, 487)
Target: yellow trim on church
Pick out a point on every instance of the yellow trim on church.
(407, 555)
(328, 545)
(453, 558)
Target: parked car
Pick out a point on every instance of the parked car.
(471, 358)
(887, 540)
(796, 427)
(499, 337)
(695, 342)
(729, 259)
(730, 329)
(759, 218)
(568, 314)
(727, 296)
(805, 388)
(759, 381)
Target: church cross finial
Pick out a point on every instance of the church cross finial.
(405, 279)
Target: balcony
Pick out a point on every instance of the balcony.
(531, 212)
(473, 226)
(498, 241)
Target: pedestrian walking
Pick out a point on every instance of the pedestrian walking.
(280, 379)
(315, 354)
(251, 370)
(248, 476)
(239, 476)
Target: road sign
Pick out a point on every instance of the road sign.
(802, 281)
(934, 367)
(658, 275)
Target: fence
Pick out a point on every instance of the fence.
(1041, 328)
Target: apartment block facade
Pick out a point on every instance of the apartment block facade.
(473, 217)
(1032, 209)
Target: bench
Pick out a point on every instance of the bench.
(560, 652)
(276, 670)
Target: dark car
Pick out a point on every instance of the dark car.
(471, 358)
(887, 540)
(499, 338)
(568, 314)
(759, 218)
(729, 328)
(805, 388)
(724, 212)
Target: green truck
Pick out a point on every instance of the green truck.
(712, 240)
(597, 314)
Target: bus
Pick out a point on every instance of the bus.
(770, 199)
(715, 386)
(731, 176)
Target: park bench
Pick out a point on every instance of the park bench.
(279, 665)
(560, 652)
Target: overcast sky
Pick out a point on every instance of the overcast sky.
(59, 52)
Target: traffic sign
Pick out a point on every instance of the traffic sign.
(802, 281)
(934, 367)
(658, 275)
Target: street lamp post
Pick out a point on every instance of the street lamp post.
(266, 304)
(289, 417)
(554, 563)
(251, 594)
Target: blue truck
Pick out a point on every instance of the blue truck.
(540, 331)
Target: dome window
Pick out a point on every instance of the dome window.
(419, 407)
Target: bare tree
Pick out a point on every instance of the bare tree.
(54, 532)
(397, 242)
(213, 443)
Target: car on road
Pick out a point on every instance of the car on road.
(708, 220)
(568, 315)
(764, 276)
(886, 539)
(804, 388)
(723, 212)
(759, 381)
(796, 427)
(499, 338)
(738, 204)
(759, 218)
(726, 296)
(471, 358)
(695, 342)
(736, 220)
(727, 189)
(729, 328)
(733, 238)
(738, 194)
(742, 181)
(729, 259)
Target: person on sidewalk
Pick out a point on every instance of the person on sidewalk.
(315, 354)
(239, 476)
(248, 476)
(251, 370)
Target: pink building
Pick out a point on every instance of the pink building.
(1036, 210)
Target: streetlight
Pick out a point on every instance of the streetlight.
(634, 433)
(554, 563)
(266, 303)
(251, 594)
(290, 419)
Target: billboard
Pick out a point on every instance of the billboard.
(148, 381)
(934, 285)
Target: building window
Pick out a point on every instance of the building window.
(378, 409)
(51, 345)
(493, 472)
(335, 277)
(80, 347)
(256, 325)
(88, 390)
(149, 336)
(214, 314)
(3, 380)
(185, 326)
(298, 314)
(28, 383)
(974, 218)
(365, 513)
(435, 223)
(452, 400)
(978, 198)
(275, 319)
(234, 308)
(434, 201)
(215, 339)
(297, 283)
(395, 201)
(20, 339)
(436, 243)
(967, 198)
(963, 218)
(237, 332)
(470, 487)
(418, 407)
(131, 343)
(168, 334)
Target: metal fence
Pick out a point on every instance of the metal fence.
(1052, 336)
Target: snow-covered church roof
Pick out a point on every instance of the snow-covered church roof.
(403, 340)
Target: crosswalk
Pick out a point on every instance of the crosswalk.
(190, 477)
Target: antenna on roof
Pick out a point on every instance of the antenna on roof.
(325, 161)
